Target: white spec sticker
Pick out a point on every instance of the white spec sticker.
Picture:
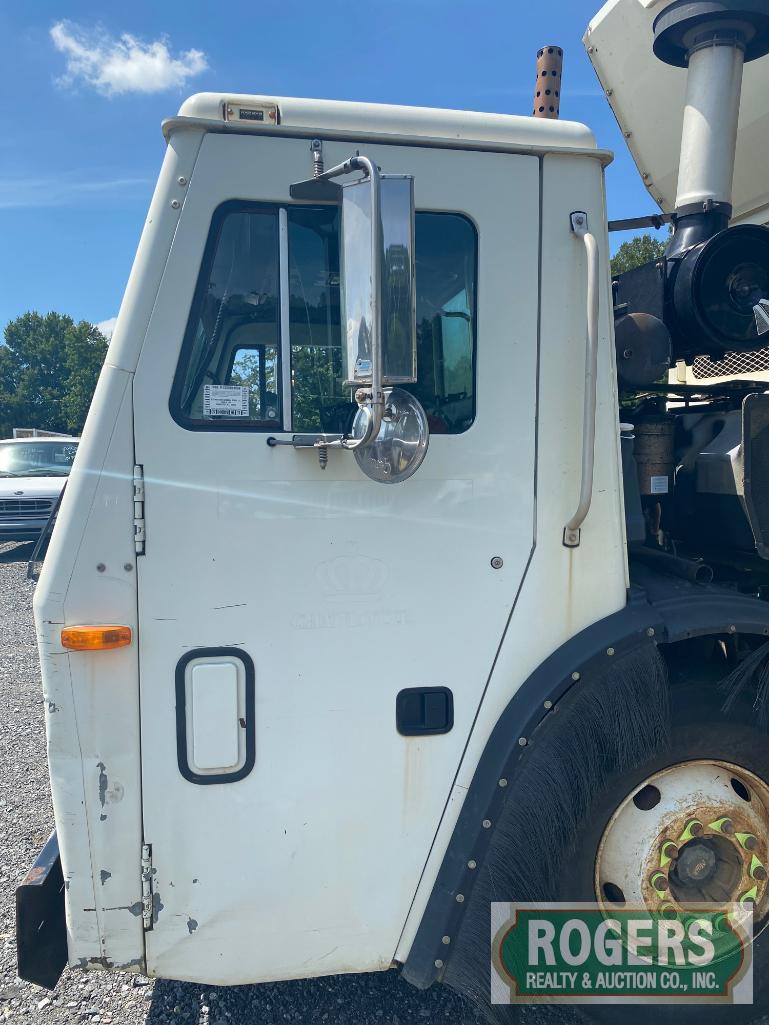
(225, 400)
(659, 485)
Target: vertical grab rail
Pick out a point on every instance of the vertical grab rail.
(572, 530)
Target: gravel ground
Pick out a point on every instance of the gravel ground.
(101, 998)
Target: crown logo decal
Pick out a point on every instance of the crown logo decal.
(351, 576)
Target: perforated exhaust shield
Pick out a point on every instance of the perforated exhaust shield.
(755, 443)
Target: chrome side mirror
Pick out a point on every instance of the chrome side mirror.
(378, 298)
(378, 318)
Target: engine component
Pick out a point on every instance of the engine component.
(722, 495)
(635, 524)
(755, 448)
(714, 289)
(713, 284)
(685, 24)
(654, 454)
(643, 349)
(695, 570)
(713, 39)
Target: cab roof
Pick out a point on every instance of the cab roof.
(337, 118)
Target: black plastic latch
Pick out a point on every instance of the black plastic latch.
(421, 711)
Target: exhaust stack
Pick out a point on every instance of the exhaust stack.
(547, 91)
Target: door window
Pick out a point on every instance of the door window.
(319, 402)
(230, 373)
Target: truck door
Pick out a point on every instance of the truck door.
(284, 608)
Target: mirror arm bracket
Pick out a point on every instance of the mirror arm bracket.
(322, 188)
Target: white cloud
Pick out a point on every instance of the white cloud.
(124, 64)
(62, 190)
(107, 326)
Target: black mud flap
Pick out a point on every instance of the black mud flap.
(41, 929)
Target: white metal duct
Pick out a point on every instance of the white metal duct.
(647, 98)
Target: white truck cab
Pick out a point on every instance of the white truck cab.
(250, 738)
(346, 527)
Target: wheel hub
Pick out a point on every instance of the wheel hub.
(696, 863)
(695, 833)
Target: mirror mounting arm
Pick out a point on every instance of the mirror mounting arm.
(373, 401)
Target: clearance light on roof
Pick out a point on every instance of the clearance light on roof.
(95, 638)
(256, 113)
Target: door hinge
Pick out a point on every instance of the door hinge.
(140, 535)
(147, 908)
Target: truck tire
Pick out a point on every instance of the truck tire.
(704, 746)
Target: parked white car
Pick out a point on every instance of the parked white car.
(33, 472)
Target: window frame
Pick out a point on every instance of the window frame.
(283, 345)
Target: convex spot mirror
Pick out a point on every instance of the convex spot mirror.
(378, 295)
(397, 452)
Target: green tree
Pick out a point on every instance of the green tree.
(636, 252)
(49, 366)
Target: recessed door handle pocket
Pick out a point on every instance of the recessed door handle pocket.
(215, 715)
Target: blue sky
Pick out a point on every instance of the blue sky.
(81, 106)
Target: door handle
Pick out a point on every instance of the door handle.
(572, 530)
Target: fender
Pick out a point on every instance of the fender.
(660, 610)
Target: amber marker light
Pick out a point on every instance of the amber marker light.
(95, 638)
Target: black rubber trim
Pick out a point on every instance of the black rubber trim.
(181, 716)
(41, 928)
(660, 609)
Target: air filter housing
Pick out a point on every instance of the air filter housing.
(713, 290)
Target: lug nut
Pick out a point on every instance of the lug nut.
(668, 911)
(724, 825)
(669, 852)
(749, 897)
(693, 828)
(659, 881)
(747, 841)
(757, 870)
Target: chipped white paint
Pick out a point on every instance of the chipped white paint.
(92, 701)
(93, 733)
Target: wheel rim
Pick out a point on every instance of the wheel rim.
(694, 833)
